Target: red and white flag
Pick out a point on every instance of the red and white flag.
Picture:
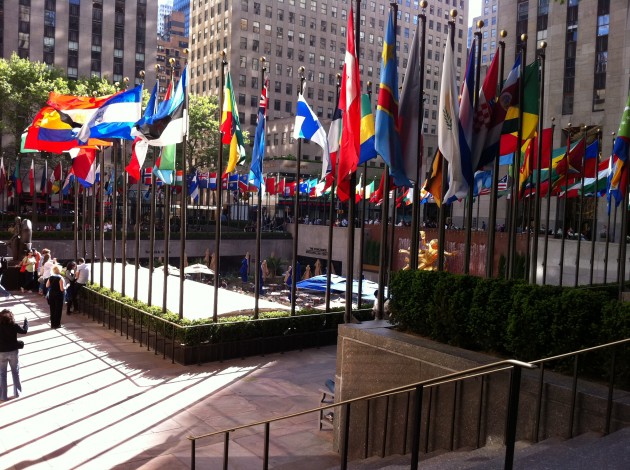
(31, 178)
(350, 105)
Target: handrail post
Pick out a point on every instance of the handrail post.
(266, 451)
(510, 432)
(541, 385)
(192, 454)
(573, 395)
(346, 438)
(611, 388)
(226, 449)
(417, 418)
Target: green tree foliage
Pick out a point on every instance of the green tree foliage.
(203, 132)
(24, 88)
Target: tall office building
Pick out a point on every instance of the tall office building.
(183, 6)
(489, 31)
(171, 46)
(165, 7)
(587, 77)
(311, 33)
(113, 39)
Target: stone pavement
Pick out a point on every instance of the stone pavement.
(94, 400)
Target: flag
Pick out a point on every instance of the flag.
(231, 127)
(280, 186)
(448, 126)
(31, 178)
(147, 176)
(169, 124)
(349, 103)
(193, 187)
(358, 190)
(3, 175)
(17, 179)
(485, 109)
(369, 190)
(531, 97)
(212, 181)
(334, 138)
(152, 105)
(482, 183)
(307, 126)
(55, 179)
(289, 189)
(55, 127)
(466, 127)
(84, 165)
(243, 183)
(433, 185)
(618, 183)
(164, 168)
(270, 186)
(115, 119)
(592, 184)
(387, 131)
(23, 148)
(67, 184)
(507, 98)
(43, 184)
(409, 112)
(367, 152)
(139, 150)
(527, 152)
(258, 152)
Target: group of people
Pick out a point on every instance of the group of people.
(60, 285)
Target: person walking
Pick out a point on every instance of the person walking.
(27, 268)
(82, 276)
(70, 276)
(4, 265)
(56, 289)
(9, 346)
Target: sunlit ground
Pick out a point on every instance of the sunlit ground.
(93, 399)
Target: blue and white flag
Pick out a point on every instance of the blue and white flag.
(193, 187)
(258, 152)
(115, 119)
(307, 126)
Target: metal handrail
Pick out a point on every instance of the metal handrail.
(512, 364)
(489, 368)
(581, 351)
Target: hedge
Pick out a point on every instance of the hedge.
(228, 328)
(511, 318)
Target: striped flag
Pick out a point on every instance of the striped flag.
(349, 103)
(231, 128)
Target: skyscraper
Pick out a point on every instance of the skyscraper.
(113, 39)
(294, 33)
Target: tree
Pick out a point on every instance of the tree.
(24, 88)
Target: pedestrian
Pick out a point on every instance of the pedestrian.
(56, 289)
(9, 346)
(70, 277)
(27, 268)
(82, 276)
(48, 263)
(244, 269)
(4, 265)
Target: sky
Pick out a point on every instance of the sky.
(474, 9)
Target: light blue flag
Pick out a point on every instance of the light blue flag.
(307, 126)
(258, 153)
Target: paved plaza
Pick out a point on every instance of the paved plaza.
(93, 399)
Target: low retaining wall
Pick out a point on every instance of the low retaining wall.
(372, 357)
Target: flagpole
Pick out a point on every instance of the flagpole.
(76, 217)
(34, 197)
(382, 268)
(167, 237)
(623, 242)
(184, 204)
(548, 208)
(469, 199)
(564, 204)
(152, 213)
(595, 200)
(84, 221)
(541, 127)
(516, 189)
(579, 228)
(114, 203)
(257, 273)
(219, 201)
(442, 216)
(93, 224)
(362, 221)
(608, 225)
(494, 192)
(296, 206)
(101, 216)
(152, 230)
(123, 226)
(331, 209)
(415, 208)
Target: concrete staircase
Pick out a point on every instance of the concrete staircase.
(589, 451)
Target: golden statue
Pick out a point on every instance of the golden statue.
(427, 254)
